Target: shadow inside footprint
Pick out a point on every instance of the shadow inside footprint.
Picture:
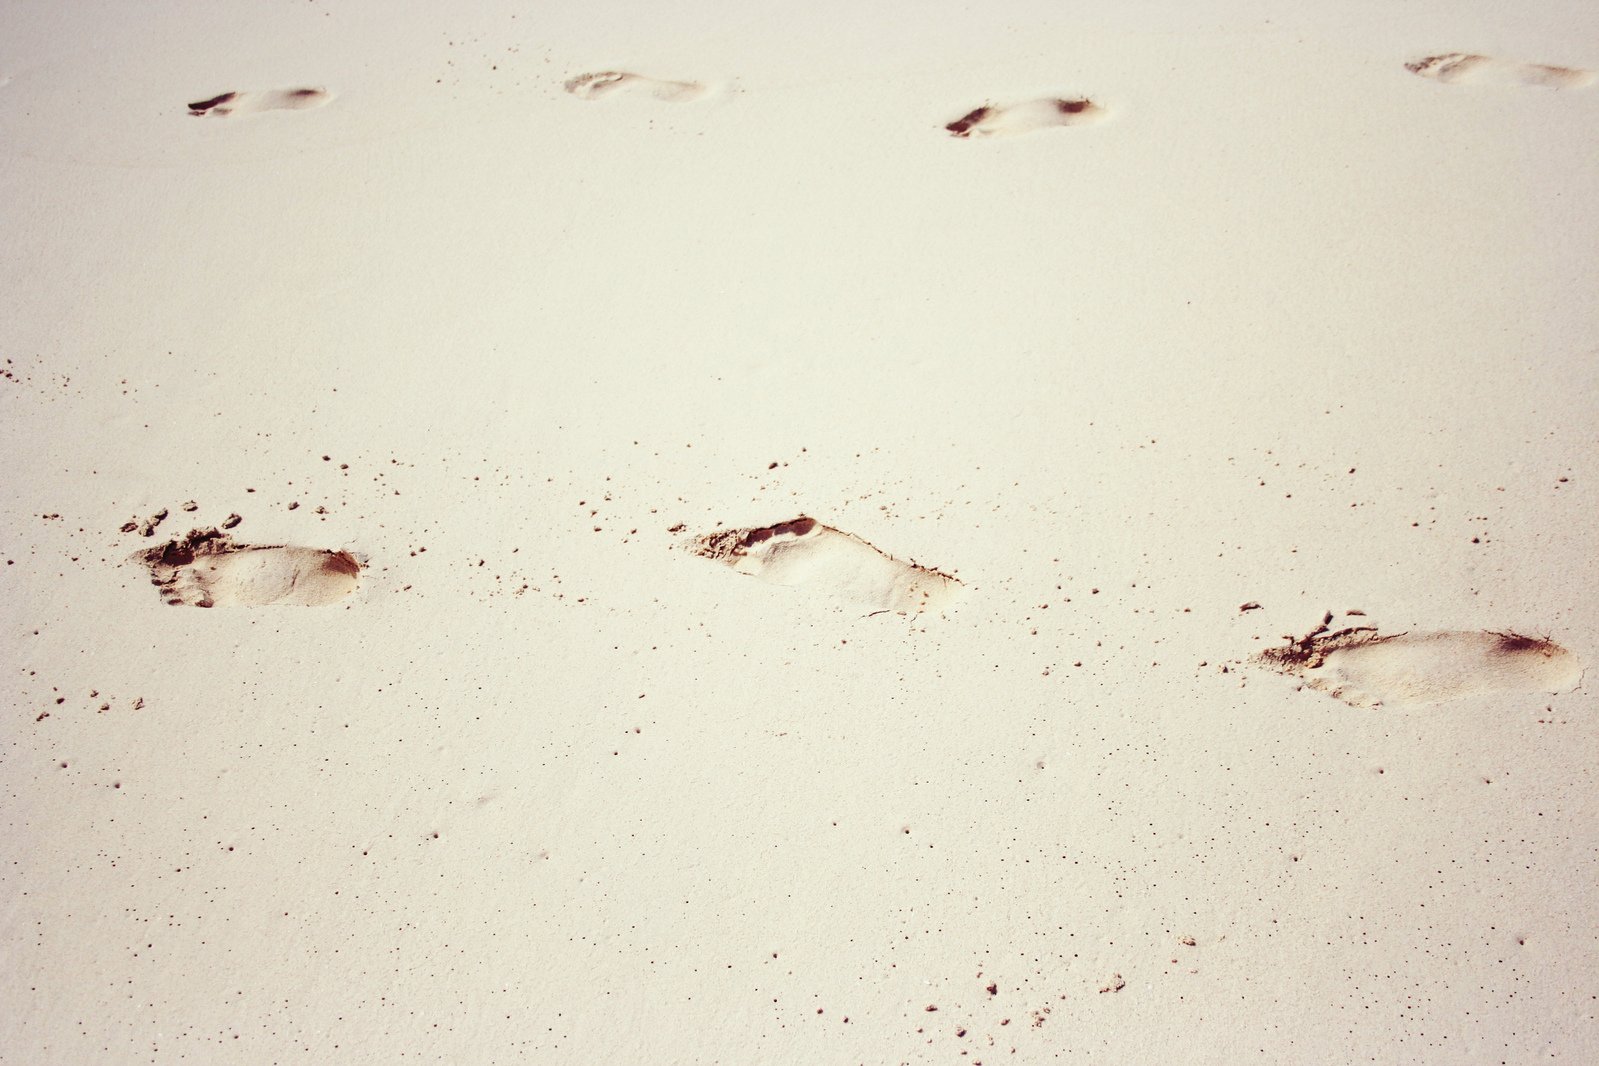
(603, 83)
(226, 105)
(1464, 67)
(1046, 113)
(1364, 669)
(805, 552)
(207, 569)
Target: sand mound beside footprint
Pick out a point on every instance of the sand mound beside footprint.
(1454, 68)
(804, 552)
(207, 569)
(1364, 669)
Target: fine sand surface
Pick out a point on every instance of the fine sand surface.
(799, 533)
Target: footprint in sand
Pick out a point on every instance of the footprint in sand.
(806, 552)
(248, 103)
(207, 569)
(1051, 111)
(1365, 669)
(599, 85)
(1465, 68)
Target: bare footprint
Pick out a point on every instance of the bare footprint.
(207, 569)
(1463, 68)
(1367, 670)
(248, 103)
(603, 83)
(992, 121)
(805, 552)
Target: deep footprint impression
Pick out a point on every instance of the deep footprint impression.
(248, 103)
(603, 83)
(991, 121)
(804, 552)
(1463, 67)
(1365, 669)
(207, 569)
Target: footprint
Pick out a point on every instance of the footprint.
(599, 85)
(1463, 67)
(806, 552)
(1367, 670)
(207, 569)
(991, 121)
(248, 103)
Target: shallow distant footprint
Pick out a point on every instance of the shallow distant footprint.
(207, 569)
(248, 103)
(599, 85)
(1046, 113)
(1367, 670)
(805, 552)
(1464, 67)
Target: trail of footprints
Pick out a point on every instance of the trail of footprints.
(988, 120)
(1356, 665)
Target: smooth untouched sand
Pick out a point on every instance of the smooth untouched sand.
(473, 319)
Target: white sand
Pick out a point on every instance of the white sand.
(1289, 324)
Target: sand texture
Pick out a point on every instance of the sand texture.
(795, 533)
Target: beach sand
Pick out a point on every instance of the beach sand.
(1048, 367)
